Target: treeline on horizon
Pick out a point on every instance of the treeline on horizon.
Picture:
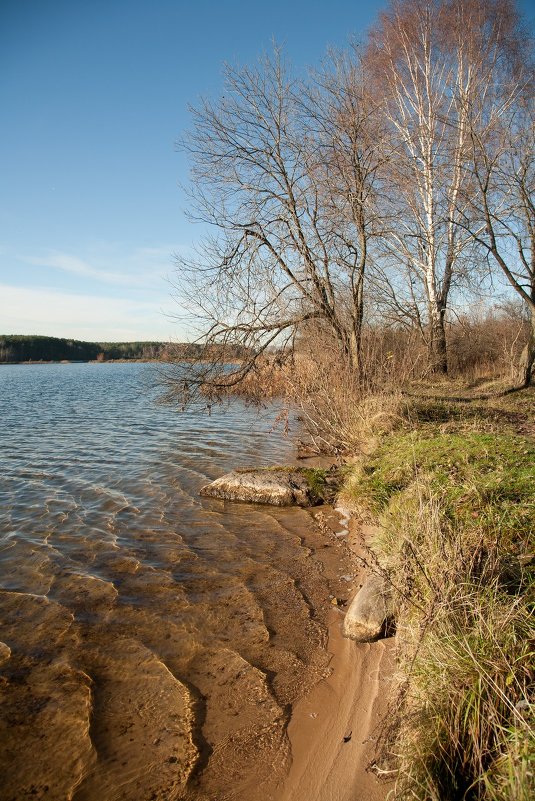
(27, 348)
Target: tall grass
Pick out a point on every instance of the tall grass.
(456, 520)
(464, 667)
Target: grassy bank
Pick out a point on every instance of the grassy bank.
(451, 487)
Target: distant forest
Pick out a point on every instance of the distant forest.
(16, 348)
(22, 348)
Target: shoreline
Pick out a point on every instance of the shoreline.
(87, 361)
(109, 361)
(333, 729)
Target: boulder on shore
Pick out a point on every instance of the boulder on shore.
(279, 487)
(369, 611)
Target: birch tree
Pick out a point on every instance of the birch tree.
(428, 59)
(495, 205)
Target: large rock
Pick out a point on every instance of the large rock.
(369, 611)
(277, 487)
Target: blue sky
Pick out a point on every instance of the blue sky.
(94, 95)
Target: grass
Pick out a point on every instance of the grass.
(317, 480)
(463, 728)
(480, 480)
(452, 489)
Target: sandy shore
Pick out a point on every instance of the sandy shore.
(333, 729)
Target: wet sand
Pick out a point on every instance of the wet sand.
(154, 644)
(103, 701)
(334, 729)
(130, 688)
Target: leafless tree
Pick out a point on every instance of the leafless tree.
(352, 151)
(502, 195)
(284, 176)
(430, 59)
(361, 193)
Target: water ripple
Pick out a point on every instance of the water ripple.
(150, 640)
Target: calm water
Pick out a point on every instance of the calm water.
(151, 642)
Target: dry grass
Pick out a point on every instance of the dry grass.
(337, 415)
(464, 726)
(454, 503)
(345, 413)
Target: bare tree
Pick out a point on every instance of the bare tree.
(352, 151)
(284, 184)
(502, 196)
(361, 192)
(430, 59)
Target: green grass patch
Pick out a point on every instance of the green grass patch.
(317, 479)
(482, 481)
(452, 490)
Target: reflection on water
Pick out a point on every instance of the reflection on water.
(151, 642)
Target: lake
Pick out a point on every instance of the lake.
(152, 642)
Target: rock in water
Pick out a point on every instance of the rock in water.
(277, 487)
(369, 611)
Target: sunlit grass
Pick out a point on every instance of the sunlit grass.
(455, 509)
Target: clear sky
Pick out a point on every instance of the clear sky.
(94, 94)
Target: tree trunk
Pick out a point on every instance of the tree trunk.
(355, 336)
(355, 354)
(438, 356)
(527, 358)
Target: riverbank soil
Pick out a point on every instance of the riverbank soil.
(450, 485)
(334, 729)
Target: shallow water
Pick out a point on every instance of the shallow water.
(151, 642)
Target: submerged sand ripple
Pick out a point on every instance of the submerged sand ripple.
(151, 643)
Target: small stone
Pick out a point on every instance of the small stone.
(5, 652)
(369, 611)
